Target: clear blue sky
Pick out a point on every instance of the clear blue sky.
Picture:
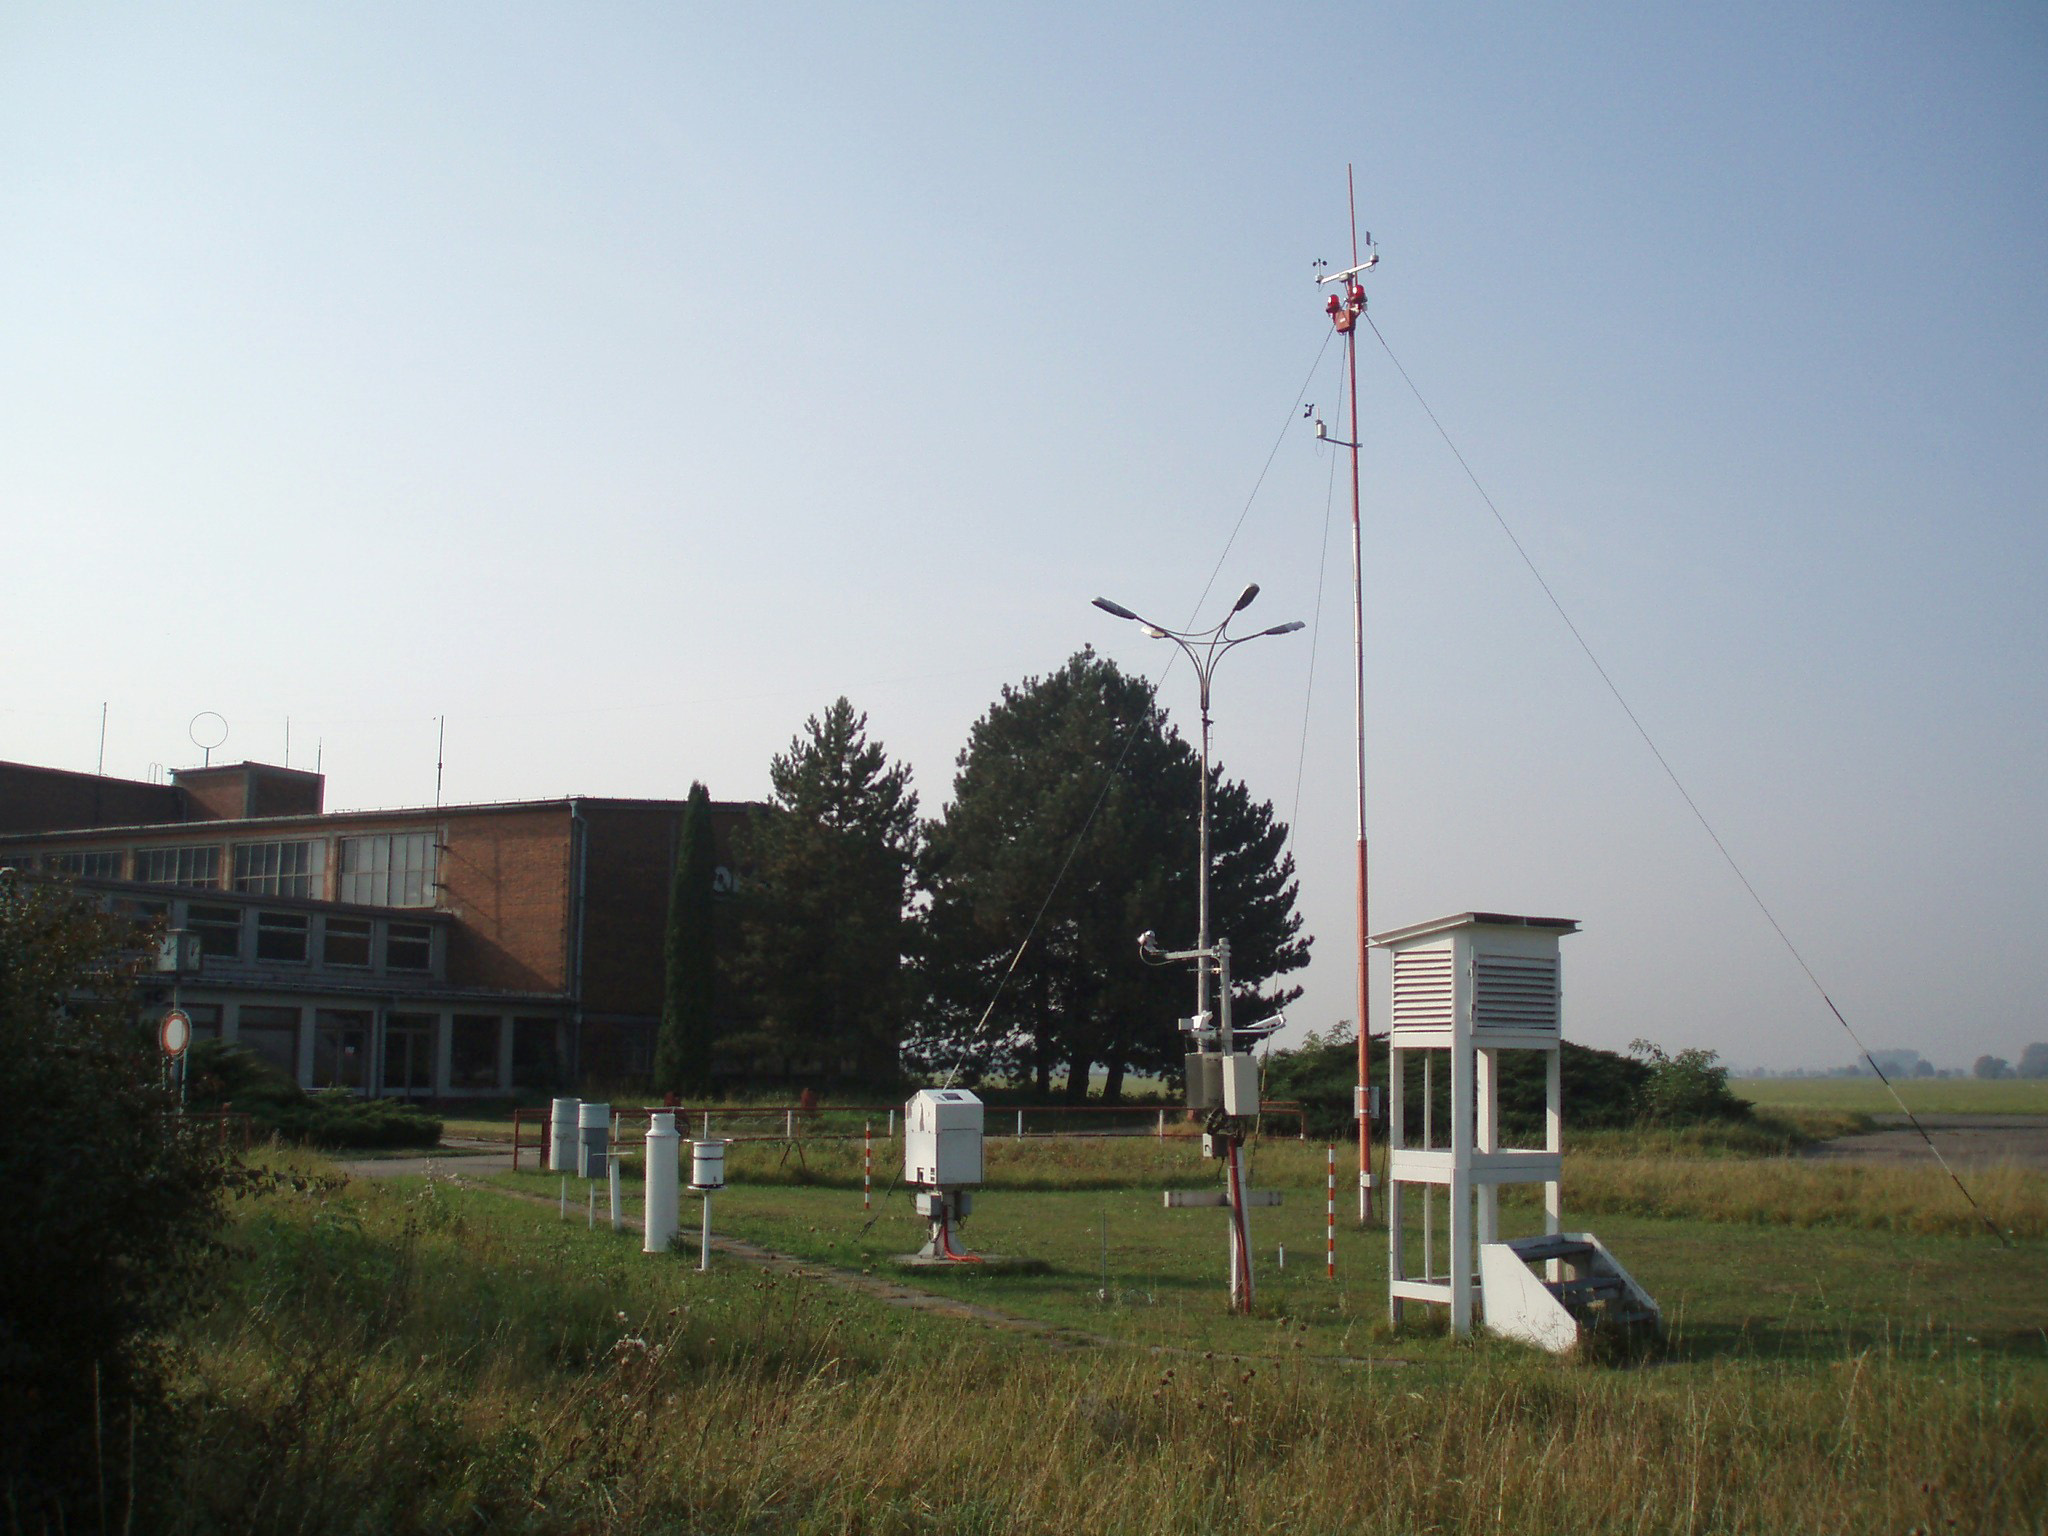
(626, 382)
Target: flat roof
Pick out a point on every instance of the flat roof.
(1559, 925)
(224, 827)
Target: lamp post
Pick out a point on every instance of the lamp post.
(1204, 648)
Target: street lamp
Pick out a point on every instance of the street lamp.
(1205, 648)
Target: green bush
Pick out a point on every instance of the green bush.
(1686, 1089)
(231, 1075)
(1598, 1089)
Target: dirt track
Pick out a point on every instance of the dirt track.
(1967, 1141)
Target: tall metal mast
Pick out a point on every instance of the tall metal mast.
(1345, 309)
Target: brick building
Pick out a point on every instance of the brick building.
(437, 953)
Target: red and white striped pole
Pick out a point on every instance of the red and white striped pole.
(1330, 1216)
(867, 1163)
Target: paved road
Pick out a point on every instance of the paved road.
(1967, 1141)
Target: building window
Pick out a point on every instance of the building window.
(219, 929)
(408, 947)
(473, 1052)
(346, 941)
(272, 1034)
(341, 1048)
(281, 869)
(535, 1061)
(409, 1053)
(282, 936)
(391, 869)
(97, 864)
(205, 1019)
(199, 867)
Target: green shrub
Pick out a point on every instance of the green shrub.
(1685, 1089)
(227, 1074)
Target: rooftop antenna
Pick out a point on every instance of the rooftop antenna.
(287, 741)
(198, 736)
(440, 741)
(100, 768)
(1346, 307)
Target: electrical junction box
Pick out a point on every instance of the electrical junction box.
(1204, 1079)
(1240, 1084)
(942, 1138)
(933, 1204)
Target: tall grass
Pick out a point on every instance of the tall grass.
(404, 1362)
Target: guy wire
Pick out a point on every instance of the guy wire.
(1685, 794)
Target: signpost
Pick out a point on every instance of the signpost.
(174, 1035)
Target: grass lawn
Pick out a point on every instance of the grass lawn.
(1127, 1268)
(1923, 1095)
(403, 1355)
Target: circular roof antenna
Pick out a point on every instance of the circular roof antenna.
(207, 737)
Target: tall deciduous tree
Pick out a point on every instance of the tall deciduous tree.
(825, 926)
(682, 1052)
(1088, 747)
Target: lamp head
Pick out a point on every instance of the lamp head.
(1244, 598)
(1284, 629)
(1117, 609)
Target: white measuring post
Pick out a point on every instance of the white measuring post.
(659, 1228)
(618, 1216)
(1330, 1217)
(562, 1134)
(707, 1173)
(564, 1213)
(867, 1164)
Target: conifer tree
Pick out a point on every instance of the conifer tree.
(824, 906)
(1089, 747)
(683, 1050)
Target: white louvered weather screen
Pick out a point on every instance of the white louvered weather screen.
(1422, 988)
(1516, 992)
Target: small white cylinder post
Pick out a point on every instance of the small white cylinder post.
(867, 1164)
(892, 1125)
(707, 1173)
(1283, 1254)
(590, 1212)
(1020, 1125)
(593, 1137)
(707, 1125)
(565, 1197)
(663, 1178)
(704, 1247)
(618, 1216)
(562, 1134)
(1162, 1125)
(789, 1125)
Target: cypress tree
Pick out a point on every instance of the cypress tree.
(682, 1053)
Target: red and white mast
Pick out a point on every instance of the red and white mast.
(1345, 308)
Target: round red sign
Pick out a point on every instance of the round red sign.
(175, 1033)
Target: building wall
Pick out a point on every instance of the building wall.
(631, 865)
(504, 878)
(234, 791)
(51, 800)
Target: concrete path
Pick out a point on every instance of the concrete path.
(1967, 1141)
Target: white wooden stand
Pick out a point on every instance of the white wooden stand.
(1466, 989)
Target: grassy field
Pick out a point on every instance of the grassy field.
(1923, 1095)
(403, 1356)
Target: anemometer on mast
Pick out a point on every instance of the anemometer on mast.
(1346, 307)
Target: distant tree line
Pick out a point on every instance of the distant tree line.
(864, 943)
